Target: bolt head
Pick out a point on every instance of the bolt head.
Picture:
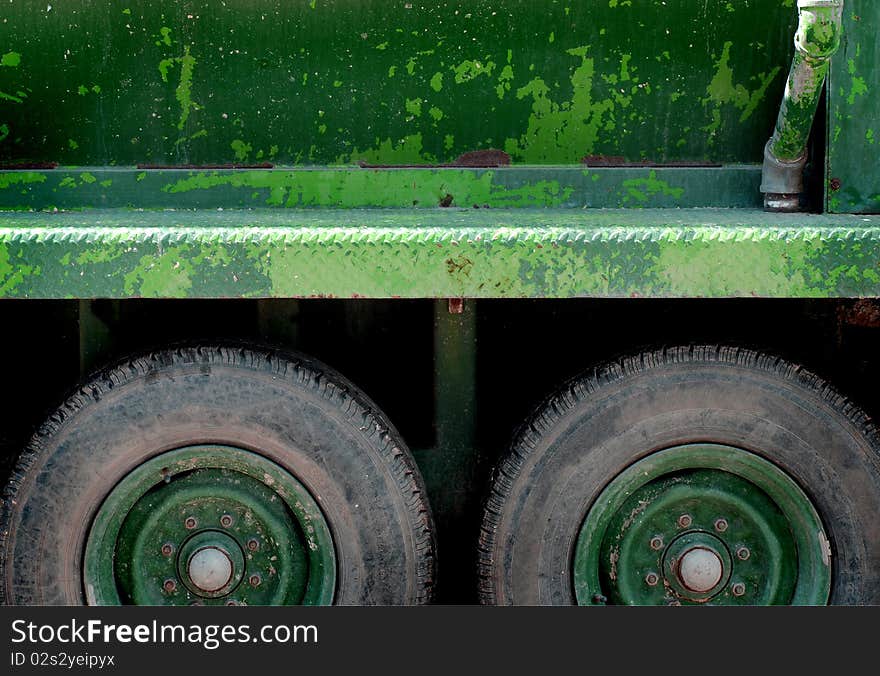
(169, 586)
(253, 545)
(685, 520)
(190, 522)
(255, 580)
(743, 553)
(656, 543)
(167, 549)
(226, 520)
(738, 589)
(721, 525)
(652, 579)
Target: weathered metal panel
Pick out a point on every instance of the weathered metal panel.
(438, 253)
(575, 187)
(853, 167)
(323, 82)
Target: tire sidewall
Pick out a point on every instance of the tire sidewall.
(570, 458)
(299, 416)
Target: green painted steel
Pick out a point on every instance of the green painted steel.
(324, 82)
(481, 253)
(702, 524)
(853, 170)
(576, 187)
(100, 87)
(209, 525)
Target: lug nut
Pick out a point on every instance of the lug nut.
(743, 553)
(656, 543)
(169, 586)
(721, 525)
(254, 580)
(226, 520)
(190, 522)
(253, 545)
(167, 549)
(738, 589)
(232, 603)
(685, 520)
(652, 579)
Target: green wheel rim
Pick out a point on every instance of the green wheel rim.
(209, 525)
(702, 524)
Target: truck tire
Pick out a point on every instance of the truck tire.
(217, 475)
(691, 475)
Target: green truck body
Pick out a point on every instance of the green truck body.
(368, 170)
(629, 108)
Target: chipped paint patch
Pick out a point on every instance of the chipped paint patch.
(722, 91)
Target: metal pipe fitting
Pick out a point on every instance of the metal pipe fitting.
(817, 39)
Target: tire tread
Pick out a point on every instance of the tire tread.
(361, 413)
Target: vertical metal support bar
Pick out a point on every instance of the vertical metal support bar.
(785, 155)
(452, 468)
(95, 336)
(278, 320)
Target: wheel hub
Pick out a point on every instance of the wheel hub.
(699, 570)
(210, 525)
(210, 569)
(701, 524)
(211, 563)
(696, 566)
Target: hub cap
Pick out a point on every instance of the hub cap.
(702, 524)
(210, 569)
(209, 525)
(699, 570)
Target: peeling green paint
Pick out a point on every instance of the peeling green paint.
(10, 60)
(858, 86)
(242, 150)
(448, 253)
(468, 70)
(722, 91)
(183, 93)
(167, 275)
(641, 190)
(12, 275)
(570, 127)
(777, 267)
(408, 150)
(463, 62)
(184, 89)
(20, 178)
(424, 91)
(414, 107)
(524, 187)
(853, 111)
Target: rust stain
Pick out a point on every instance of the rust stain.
(864, 313)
